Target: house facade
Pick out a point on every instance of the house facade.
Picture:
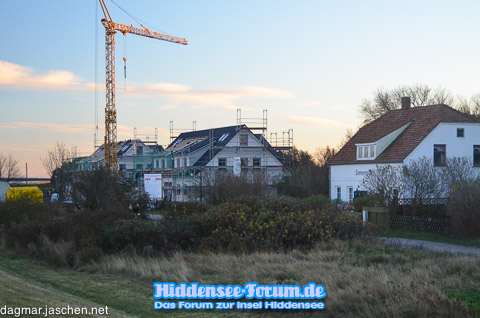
(193, 159)
(126, 150)
(435, 132)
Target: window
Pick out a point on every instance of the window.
(222, 162)
(476, 155)
(243, 140)
(178, 162)
(257, 162)
(339, 193)
(139, 166)
(439, 155)
(122, 166)
(139, 149)
(223, 137)
(350, 193)
(366, 152)
(244, 162)
(460, 132)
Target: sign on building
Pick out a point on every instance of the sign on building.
(153, 185)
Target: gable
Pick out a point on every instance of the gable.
(420, 120)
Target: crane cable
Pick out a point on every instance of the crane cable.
(96, 80)
(137, 19)
(125, 59)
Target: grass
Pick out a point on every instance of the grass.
(361, 278)
(433, 237)
(31, 283)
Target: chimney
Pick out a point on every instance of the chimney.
(406, 102)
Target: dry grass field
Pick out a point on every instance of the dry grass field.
(361, 278)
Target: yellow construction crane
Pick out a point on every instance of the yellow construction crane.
(111, 28)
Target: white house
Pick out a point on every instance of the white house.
(436, 132)
(126, 150)
(195, 157)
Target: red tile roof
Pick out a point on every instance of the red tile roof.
(422, 121)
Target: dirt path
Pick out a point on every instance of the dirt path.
(431, 246)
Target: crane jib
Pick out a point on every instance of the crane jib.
(111, 27)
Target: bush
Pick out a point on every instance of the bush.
(241, 227)
(73, 239)
(368, 200)
(138, 234)
(464, 208)
(100, 189)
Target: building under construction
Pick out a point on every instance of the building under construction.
(195, 159)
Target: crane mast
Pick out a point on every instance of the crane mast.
(111, 27)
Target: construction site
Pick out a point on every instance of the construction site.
(193, 160)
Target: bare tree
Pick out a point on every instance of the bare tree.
(54, 162)
(55, 158)
(459, 170)
(384, 181)
(348, 135)
(385, 100)
(423, 180)
(420, 179)
(323, 155)
(9, 167)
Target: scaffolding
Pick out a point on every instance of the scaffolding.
(183, 172)
(146, 137)
(175, 132)
(283, 146)
(78, 164)
(181, 177)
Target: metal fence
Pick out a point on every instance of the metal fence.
(419, 223)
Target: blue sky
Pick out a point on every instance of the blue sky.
(310, 63)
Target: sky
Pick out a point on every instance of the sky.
(310, 63)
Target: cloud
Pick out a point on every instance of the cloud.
(227, 98)
(19, 149)
(153, 89)
(309, 103)
(313, 121)
(22, 77)
(15, 125)
(18, 76)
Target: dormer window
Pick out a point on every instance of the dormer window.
(366, 152)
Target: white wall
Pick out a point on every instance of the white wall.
(254, 149)
(446, 134)
(351, 175)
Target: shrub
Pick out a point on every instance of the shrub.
(241, 227)
(135, 233)
(100, 189)
(464, 208)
